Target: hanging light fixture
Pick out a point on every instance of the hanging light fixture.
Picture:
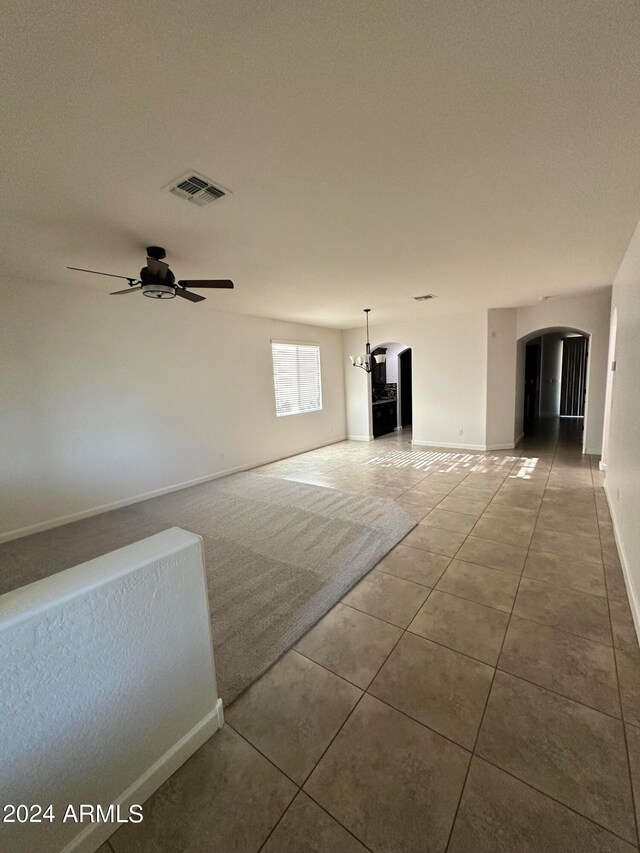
(364, 361)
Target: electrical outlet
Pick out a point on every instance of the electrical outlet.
(617, 494)
(460, 432)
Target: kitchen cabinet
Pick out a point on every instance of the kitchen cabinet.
(384, 417)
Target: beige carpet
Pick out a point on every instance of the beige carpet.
(279, 554)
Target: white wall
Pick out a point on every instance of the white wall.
(623, 458)
(104, 400)
(518, 420)
(449, 356)
(108, 685)
(501, 377)
(550, 374)
(588, 314)
(393, 351)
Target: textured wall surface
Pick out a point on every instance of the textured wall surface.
(104, 668)
(108, 400)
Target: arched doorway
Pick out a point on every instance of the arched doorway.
(552, 383)
(391, 389)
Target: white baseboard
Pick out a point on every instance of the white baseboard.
(449, 446)
(593, 451)
(95, 834)
(602, 466)
(518, 439)
(19, 532)
(359, 438)
(634, 603)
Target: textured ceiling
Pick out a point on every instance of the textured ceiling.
(487, 152)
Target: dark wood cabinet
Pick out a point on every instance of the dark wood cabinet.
(384, 418)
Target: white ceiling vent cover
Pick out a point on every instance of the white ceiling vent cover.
(197, 189)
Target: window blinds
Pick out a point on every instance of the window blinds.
(296, 377)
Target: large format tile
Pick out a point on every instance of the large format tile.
(434, 539)
(433, 489)
(564, 749)
(570, 665)
(564, 571)
(616, 586)
(390, 598)
(295, 690)
(417, 513)
(390, 781)
(623, 627)
(462, 625)
(414, 564)
(480, 584)
(551, 518)
(567, 545)
(306, 827)
(629, 678)
(465, 506)
(474, 491)
(441, 688)
(633, 747)
(495, 555)
(350, 643)
(511, 532)
(518, 500)
(507, 513)
(500, 814)
(449, 520)
(226, 797)
(419, 499)
(567, 609)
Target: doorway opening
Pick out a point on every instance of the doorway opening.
(391, 389)
(554, 381)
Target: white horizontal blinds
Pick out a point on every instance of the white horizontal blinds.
(296, 377)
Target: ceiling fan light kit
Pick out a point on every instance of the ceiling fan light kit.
(364, 361)
(157, 281)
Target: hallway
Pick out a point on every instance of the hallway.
(478, 691)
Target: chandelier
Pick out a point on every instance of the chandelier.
(364, 361)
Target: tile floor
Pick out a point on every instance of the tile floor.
(478, 691)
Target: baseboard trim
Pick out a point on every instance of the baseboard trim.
(602, 466)
(449, 446)
(634, 603)
(518, 439)
(95, 834)
(359, 438)
(18, 533)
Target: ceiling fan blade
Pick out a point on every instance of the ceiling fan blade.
(192, 297)
(208, 283)
(157, 268)
(110, 274)
(127, 290)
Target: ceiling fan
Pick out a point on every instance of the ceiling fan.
(157, 281)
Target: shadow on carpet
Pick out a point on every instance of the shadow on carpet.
(278, 553)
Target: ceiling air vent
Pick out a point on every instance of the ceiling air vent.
(425, 297)
(197, 189)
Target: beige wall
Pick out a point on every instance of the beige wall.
(623, 458)
(501, 377)
(449, 356)
(104, 400)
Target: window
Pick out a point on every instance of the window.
(296, 377)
